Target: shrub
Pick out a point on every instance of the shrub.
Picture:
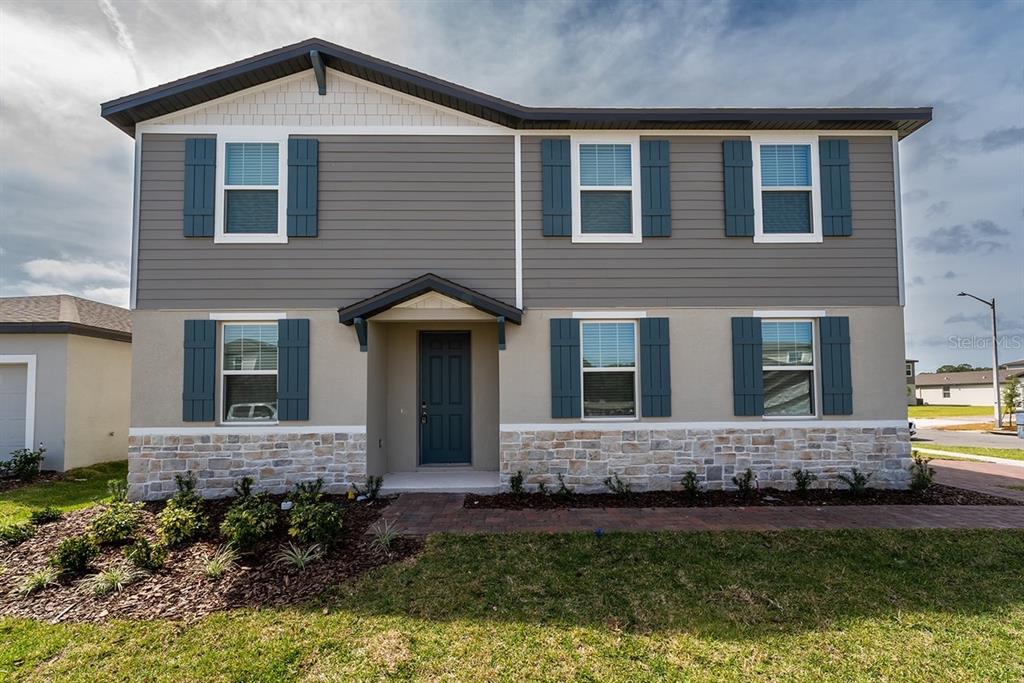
(316, 523)
(803, 479)
(37, 581)
(307, 493)
(372, 489)
(617, 486)
(74, 554)
(542, 489)
(177, 524)
(117, 489)
(13, 534)
(45, 515)
(563, 491)
(515, 483)
(744, 483)
(23, 464)
(385, 532)
(691, 485)
(186, 496)
(117, 523)
(250, 519)
(298, 557)
(221, 562)
(857, 481)
(145, 555)
(113, 580)
(922, 476)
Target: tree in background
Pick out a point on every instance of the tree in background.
(1012, 398)
(963, 367)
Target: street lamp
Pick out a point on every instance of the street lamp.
(995, 357)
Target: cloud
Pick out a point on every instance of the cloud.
(998, 139)
(915, 281)
(983, 321)
(949, 275)
(978, 237)
(75, 272)
(124, 39)
(937, 209)
(915, 196)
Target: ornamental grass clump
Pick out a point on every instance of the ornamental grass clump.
(37, 581)
(857, 481)
(113, 580)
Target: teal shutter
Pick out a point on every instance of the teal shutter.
(836, 209)
(836, 375)
(200, 186)
(566, 400)
(302, 186)
(200, 374)
(655, 370)
(557, 187)
(293, 369)
(738, 166)
(655, 190)
(747, 373)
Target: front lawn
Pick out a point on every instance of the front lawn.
(78, 489)
(948, 411)
(802, 605)
(1009, 453)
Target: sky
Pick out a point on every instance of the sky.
(65, 174)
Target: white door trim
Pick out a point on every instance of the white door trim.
(28, 360)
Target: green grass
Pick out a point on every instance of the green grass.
(80, 488)
(795, 606)
(948, 411)
(1009, 453)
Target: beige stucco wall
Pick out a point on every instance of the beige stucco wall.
(51, 352)
(98, 400)
(337, 391)
(701, 358)
(402, 439)
(377, 399)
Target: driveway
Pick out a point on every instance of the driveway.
(986, 477)
(967, 439)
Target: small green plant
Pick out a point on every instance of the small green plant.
(744, 483)
(45, 515)
(922, 476)
(691, 485)
(145, 555)
(118, 523)
(384, 532)
(73, 555)
(112, 580)
(177, 525)
(542, 489)
(37, 581)
(515, 483)
(117, 490)
(372, 489)
(298, 557)
(857, 481)
(221, 562)
(186, 496)
(563, 491)
(24, 464)
(13, 534)
(316, 523)
(803, 480)
(617, 486)
(307, 493)
(250, 519)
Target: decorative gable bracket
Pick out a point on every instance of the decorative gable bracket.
(319, 70)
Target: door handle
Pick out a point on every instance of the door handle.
(423, 412)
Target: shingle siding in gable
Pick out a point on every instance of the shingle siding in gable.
(698, 265)
(390, 209)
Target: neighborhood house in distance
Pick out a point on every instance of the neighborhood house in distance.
(343, 267)
(969, 388)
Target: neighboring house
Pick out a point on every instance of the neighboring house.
(972, 388)
(344, 267)
(65, 378)
(911, 370)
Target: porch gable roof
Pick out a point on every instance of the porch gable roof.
(428, 282)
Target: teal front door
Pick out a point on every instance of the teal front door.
(444, 398)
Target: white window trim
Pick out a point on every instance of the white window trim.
(611, 138)
(784, 138)
(592, 316)
(635, 369)
(256, 135)
(29, 361)
(248, 316)
(222, 373)
(815, 384)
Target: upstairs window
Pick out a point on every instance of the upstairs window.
(789, 367)
(609, 369)
(249, 368)
(250, 187)
(787, 205)
(607, 197)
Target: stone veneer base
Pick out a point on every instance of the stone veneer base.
(657, 459)
(275, 461)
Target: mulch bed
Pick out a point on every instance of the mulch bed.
(8, 484)
(181, 590)
(936, 495)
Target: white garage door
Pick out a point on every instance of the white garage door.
(13, 383)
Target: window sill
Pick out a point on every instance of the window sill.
(607, 238)
(788, 238)
(251, 238)
(789, 418)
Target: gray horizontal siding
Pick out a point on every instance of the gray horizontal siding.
(390, 209)
(698, 265)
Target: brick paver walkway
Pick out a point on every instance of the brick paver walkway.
(426, 513)
(986, 477)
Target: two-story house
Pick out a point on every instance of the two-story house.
(342, 267)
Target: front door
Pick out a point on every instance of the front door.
(444, 398)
